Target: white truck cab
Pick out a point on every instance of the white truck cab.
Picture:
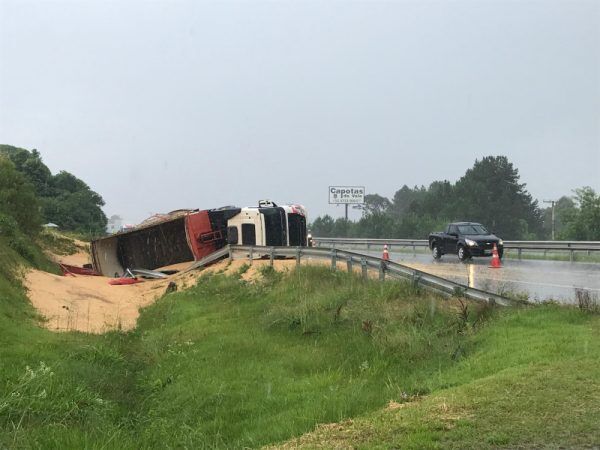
(268, 225)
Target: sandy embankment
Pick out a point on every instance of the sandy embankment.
(90, 304)
(86, 303)
(76, 259)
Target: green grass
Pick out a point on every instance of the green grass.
(250, 365)
(578, 256)
(532, 380)
(52, 385)
(228, 364)
(59, 243)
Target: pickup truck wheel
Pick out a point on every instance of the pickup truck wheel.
(462, 253)
(435, 251)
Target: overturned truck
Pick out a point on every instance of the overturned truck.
(188, 235)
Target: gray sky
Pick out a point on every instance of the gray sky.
(163, 105)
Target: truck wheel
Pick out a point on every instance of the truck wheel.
(435, 252)
(462, 253)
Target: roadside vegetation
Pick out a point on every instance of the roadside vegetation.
(490, 192)
(61, 198)
(231, 364)
(529, 381)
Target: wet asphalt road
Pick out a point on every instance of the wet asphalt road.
(540, 280)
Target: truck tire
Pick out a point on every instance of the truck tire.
(463, 253)
(436, 252)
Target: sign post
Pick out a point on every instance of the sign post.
(346, 195)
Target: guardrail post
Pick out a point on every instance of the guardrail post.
(414, 250)
(272, 256)
(333, 258)
(571, 255)
(349, 264)
(415, 280)
(230, 253)
(382, 271)
(519, 251)
(298, 255)
(363, 267)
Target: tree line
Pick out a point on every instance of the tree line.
(490, 192)
(30, 195)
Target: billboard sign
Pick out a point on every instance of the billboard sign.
(344, 195)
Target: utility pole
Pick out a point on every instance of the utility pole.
(553, 202)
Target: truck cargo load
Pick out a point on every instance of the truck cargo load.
(181, 236)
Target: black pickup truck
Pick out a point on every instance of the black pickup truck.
(465, 239)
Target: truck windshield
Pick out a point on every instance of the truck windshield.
(297, 230)
(472, 229)
(248, 234)
(274, 226)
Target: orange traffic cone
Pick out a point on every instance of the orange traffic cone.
(495, 259)
(386, 255)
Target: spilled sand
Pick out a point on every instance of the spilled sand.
(89, 304)
(86, 303)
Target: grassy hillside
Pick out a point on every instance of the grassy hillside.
(229, 364)
(49, 383)
(532, 380)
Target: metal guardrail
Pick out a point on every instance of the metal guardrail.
(425, 280)
(570, 246)
(369, 242)
(215, 256)
(554, 245)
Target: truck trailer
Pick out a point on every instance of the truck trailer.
(190, 235)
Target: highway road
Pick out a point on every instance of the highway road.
(540, 280)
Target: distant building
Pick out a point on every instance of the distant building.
(114, 224)
(50, 225)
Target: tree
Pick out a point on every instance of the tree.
(375, 204)
(583, 222)
(375, 225)
(436, 201)
(17, 198)
(64, 181)
(65, 199)
(31, 165)
(342, 227)
(74, 206)
(323, 226)
(490, 193)
(404, 198)
(563, 207)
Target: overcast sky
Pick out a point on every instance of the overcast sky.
(170, 104)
